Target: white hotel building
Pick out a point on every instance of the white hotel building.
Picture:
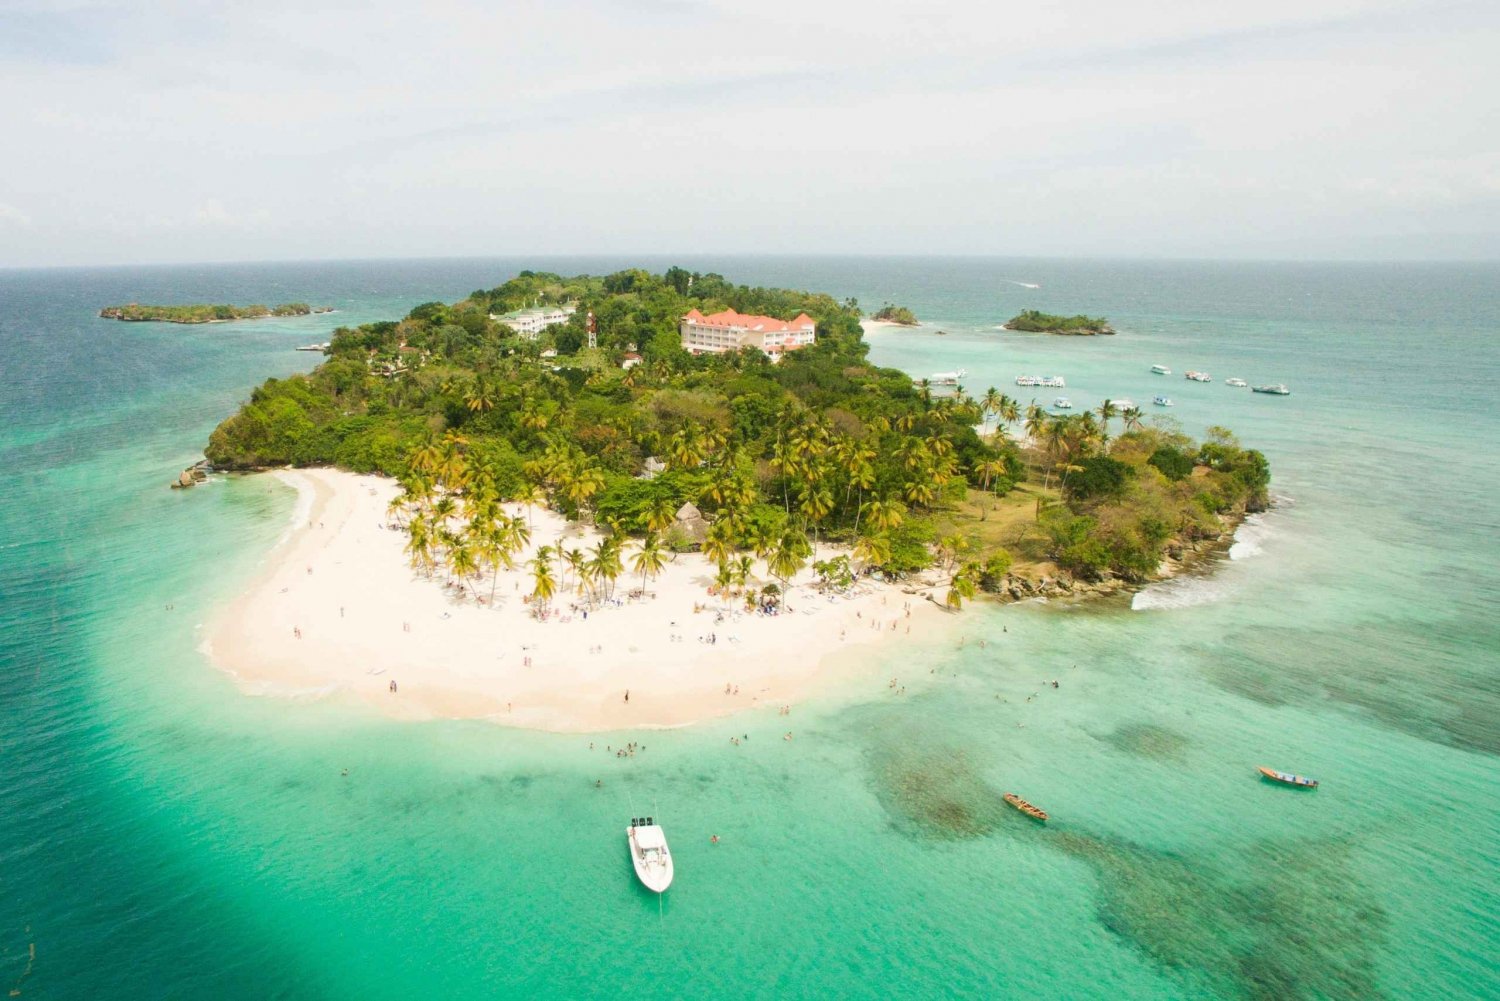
(730, 331)
(531, 322)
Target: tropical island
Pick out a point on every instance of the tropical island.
(205, 313)
(899, 315)
(1033, 321)
(601, 508)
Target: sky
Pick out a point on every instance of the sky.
(155, 132)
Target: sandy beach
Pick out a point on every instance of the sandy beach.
(339, 613)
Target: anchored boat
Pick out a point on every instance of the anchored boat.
(1287, 778)
(1198, 376)
(1277, 389)
(1034, 812)
(1160, 370)
(1162, 401)
(649, 854)
(1237, 383)
(1062, 403)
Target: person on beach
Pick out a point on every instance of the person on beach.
(393, 686)
(627, 695)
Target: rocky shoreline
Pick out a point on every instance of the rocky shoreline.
(1182, 557)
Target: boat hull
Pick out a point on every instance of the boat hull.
(1287, 778)
(653, 864)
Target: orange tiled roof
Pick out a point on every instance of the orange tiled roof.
(729, 318)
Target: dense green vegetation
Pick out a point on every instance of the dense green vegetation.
(780, 457)
(895, 314)
(205, 313)
(1046, 323)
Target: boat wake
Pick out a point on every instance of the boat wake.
(1022, 284)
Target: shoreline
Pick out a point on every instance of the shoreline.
(337, 612)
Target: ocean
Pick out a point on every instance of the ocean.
(165, 836)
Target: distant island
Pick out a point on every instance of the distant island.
(899, 315)
(1032, 321)
(205, 312)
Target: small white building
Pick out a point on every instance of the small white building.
(531, 322)
(730, 331)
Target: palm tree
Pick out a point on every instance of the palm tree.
(1010, 410)
(531, 495)
(1106, 411)
(1132, 419)
(789, 556)
(661, 512)
(718, 546)
(885, 513)
(419, 543)
(1036, 422)
(604, 562)
(991, 403)
(480, 397)
(920, 493)
(543, 584)
(872, 550)
(461, 562)
(962, 588)
(989, 469)
(816, 503)
(649, 559)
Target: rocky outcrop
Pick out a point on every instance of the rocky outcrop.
(192, 475)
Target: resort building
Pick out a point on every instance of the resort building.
(730, 331)
(531, 322)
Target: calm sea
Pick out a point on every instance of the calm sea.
(164, 836)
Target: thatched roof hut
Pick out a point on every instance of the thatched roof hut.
(690, 525)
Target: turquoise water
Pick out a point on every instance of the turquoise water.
(164, 836)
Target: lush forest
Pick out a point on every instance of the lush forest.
(779, 457)
(1047, 323)
(895, 314)
(205, 313)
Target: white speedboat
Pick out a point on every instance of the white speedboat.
(1198, 376)
(1237, 383)
(1162, 401)
(649, 854)
(1160, 370)
(1062, 403)
(1276, 389)
(947, 378)
(1123, 405)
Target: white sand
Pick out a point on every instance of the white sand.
(340, 576)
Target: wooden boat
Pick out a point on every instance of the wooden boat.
(1287, 778)
(1034, 812)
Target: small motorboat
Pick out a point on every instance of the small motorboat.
(1062, 403)
(1287, 778)
(1198, 376)
(1160, 370)
(1162, 401)
(1237, 383)
(649, 854)
(1275, 389)
(1123, 405)
(1034, 812)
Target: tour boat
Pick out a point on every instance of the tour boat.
(1276, 389)
(1062, 403)
(947, 378)
(1198, 376)
(1050, 381)
(314, 347)
(1034, 812)
(1287, 778)
(1237, 383)
(648, 853)
(1123, 405)
(1162, 401)
(1160, 370)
